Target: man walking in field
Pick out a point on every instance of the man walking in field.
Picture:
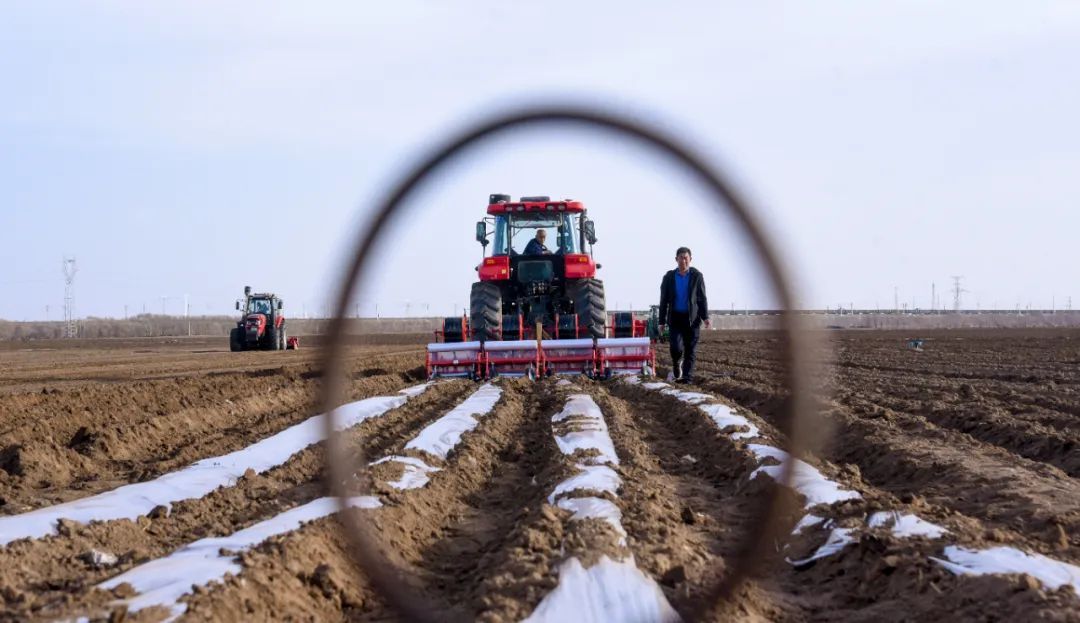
(683, 307)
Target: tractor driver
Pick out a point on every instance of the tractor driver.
(536, 245)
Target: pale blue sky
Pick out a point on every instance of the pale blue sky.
(193, 147)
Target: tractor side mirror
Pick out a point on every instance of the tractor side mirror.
(590, 231)
(481, 233)
(281, 304)
(238, 306)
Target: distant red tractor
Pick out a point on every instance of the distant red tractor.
(262, 326)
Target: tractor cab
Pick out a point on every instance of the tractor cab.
(536, 245)
(536, 241)
(515, 233)
(260, 305)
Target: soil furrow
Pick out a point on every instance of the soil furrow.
(1029, 503)
(989, 425)
(686, 503)
(881, 568)
(138, 433)
(44, 577)
(474, 537)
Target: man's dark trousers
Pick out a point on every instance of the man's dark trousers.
(683, 338)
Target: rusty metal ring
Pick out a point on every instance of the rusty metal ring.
(384, 575)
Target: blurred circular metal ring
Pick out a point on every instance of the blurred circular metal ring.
(386, 577)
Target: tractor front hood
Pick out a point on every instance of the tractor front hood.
(254, 326)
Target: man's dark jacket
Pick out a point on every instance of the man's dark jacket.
(699, 305)
(535, 247)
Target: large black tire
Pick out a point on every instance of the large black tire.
(283, 339)
(485, 311)
(589, 305)
(236, 340)
(271, 336)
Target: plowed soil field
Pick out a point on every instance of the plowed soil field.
(152, 479)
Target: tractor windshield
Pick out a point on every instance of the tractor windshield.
(513, 232)
(259, 306)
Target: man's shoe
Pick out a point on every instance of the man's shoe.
(683, 381)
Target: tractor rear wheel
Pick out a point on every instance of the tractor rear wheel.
(485, 311)
(589, 305)
(236, 340)
(283, 339)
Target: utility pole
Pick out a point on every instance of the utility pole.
(957, 291)
(70, 328)
(933, 296)
(125, 311)
(896, 299)
(187, 314)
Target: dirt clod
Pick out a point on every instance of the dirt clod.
(674, 576)
(123, 590)
(68, 527)
(321, 579)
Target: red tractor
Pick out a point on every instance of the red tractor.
(262, 326)
(525, 281)
(538, 308)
